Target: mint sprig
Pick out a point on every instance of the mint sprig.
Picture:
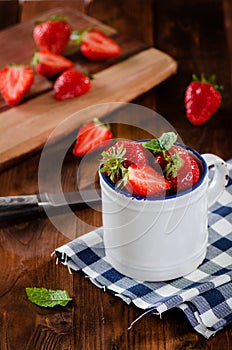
(161, 144)
(47, 297)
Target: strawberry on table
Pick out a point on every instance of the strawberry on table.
(15, 82)
(95, 45)
(202, 99)
(70, 84)
(49, 64)
(52, 34)
(91, 136)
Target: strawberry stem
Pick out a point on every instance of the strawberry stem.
(78, 36)
(211, 80)
(52, 18)
(99, 123)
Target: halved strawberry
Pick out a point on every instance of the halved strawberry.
(95, 45)
(70, 84)
(145, 181)
(91, 136)
(15, 82)
(52, 34)
(49, 64)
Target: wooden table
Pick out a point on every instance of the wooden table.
(195, 34)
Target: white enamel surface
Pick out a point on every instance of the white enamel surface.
(220, 179)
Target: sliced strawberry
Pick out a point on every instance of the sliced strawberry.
(90, 137)
(49, 64)
(70, 84)
(15, 82)
(53, 34)
(95, 45)
(202, 100)
(145, 181)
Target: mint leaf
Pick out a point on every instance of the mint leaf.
(161, 144)
(47, 297)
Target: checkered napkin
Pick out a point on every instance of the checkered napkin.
(205, 295)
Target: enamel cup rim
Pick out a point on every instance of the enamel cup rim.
(204, 174)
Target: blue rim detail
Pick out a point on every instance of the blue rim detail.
(198, 184)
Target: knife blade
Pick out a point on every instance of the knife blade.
(12, 206)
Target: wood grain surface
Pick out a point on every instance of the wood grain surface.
(194, 34)
(27, 126)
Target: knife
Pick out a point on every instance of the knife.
(16, 206)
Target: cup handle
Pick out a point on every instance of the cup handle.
(220, 177)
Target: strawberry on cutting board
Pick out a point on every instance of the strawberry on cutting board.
(70, 84)
(91, 136)
(202, 99)
(52, 34)
(15, 82)
(49, 64)
(95, 45)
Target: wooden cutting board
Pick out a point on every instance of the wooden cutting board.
(24, 129)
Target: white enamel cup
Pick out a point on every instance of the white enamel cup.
(161, 238)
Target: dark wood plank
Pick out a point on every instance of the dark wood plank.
(32, 8)
(95, 319)
(9, 13)
(195, 36)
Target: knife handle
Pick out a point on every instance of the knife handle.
(18, 205)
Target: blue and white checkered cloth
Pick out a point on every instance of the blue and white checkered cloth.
(205, 295)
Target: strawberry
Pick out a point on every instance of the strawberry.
(49, 64)
(135, 153)
(130, 170)
(95, 45)
(176, 163)
(52, 34)
(179, 168)
(70, 84)
(145, 181)
(91, 136)
(202, 99)
(15, 82)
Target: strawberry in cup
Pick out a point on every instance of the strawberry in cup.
(155, 199)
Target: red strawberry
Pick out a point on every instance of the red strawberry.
(146, 181)
(53, 34)
(95, 45)
(49, 64)
(70, 84)
(202, 100)
(135, 153)
(126, 165)
(179, 168)
(90, 137)
(15, 82)
(186, 177)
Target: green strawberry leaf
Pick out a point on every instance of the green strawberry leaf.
(47, 297)
(161, 144)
